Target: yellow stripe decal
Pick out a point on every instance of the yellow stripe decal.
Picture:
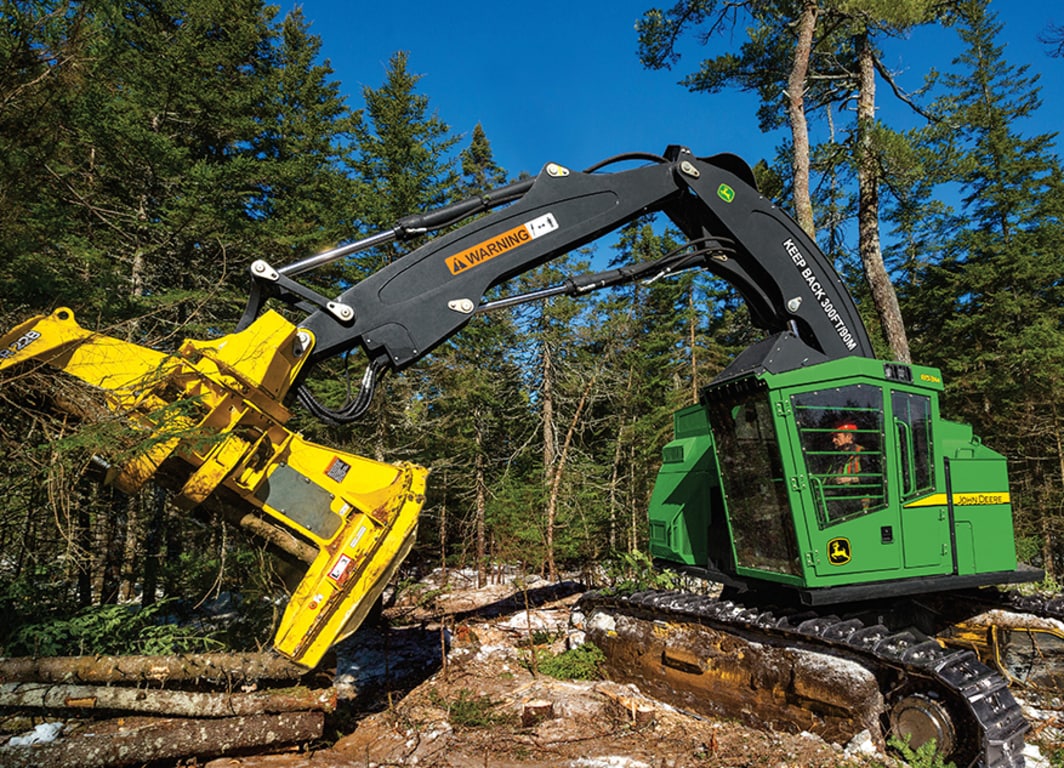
(962, 500)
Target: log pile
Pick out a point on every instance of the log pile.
(130, 710)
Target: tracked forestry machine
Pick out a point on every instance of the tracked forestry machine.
(846, 518)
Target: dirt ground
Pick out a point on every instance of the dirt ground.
(452, 682)
(450, 679)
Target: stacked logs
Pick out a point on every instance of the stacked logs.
(130, 710)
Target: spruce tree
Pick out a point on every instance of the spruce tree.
(480, 172)
(404, 156)
(305, 200)
(995, 293)
(150, 149)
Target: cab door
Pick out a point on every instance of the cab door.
(925, 527)
(840, 445)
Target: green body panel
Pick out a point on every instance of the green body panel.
(680, 504)
(759, 484)
(981, 512)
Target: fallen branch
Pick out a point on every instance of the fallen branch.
(56, 696)
(131, 743)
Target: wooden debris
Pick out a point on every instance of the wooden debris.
(56, 696)
(148, 739)
(178, 707)
(222, 667)
(536, 711)
(638, 711)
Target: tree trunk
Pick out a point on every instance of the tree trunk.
(130, 551)
(108, 544)
(153, 539)
(883, 295)
(218, 667)
(692, 336)
(796, 81)
(443, 530)
(547, 397)
(83, 546)
(175, 544)
(147, 740)
(1048, 553)
(55, 696)
(556, 478)
(635, 512)
(549, 453)
(615, 482)
(480, 504)
(275, 535)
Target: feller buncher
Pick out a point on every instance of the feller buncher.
(820, 485)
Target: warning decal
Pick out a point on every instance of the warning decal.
(339, 570)
(337, 469)
(501, 243)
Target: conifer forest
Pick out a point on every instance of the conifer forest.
(151, 151)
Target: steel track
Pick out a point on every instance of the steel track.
(977, 696)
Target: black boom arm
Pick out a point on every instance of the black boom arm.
(402, 312)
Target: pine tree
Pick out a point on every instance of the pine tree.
(305, 201)
(474, 419)
(476, 414)
(784, 40)
(1053, 39)
(47, 54)
(402, 166)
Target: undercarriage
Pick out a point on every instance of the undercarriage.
(836, 675)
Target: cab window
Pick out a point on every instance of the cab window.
(841, 435)
(912, 420)
(753, 483)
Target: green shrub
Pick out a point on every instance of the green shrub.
(634, 571)
(581, 663)
(925, 756)
(109, 629)
(467, 710)
(1055, 755)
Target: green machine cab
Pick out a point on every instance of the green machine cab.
(839, 480)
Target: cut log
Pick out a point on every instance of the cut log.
(143, 740)
(56, 696)
(225, 667)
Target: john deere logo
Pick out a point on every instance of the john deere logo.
(725, 193)
(839, 551)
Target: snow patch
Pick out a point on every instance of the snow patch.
(1033, 758)
(861, 744)
(840, 673)
(612, 761)
(42, 734)
(534, 621)
(488, 651)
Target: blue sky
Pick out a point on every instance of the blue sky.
(560, 80)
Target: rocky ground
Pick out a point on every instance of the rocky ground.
(453, 682)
